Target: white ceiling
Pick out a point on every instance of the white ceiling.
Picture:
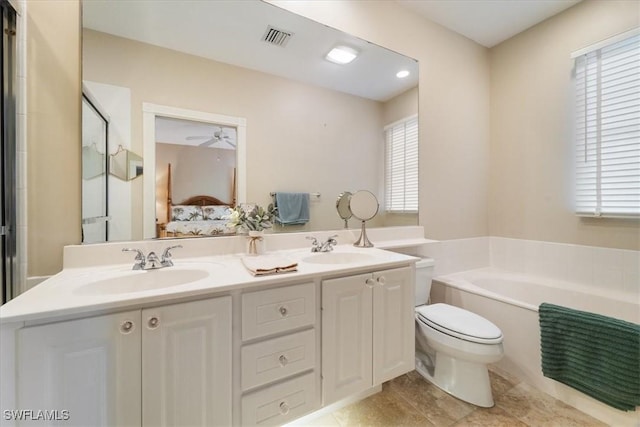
(488, 22)
(187, 132)
(232, 31)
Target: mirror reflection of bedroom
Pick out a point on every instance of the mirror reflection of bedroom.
(195, 177)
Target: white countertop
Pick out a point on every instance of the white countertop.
(68, 293)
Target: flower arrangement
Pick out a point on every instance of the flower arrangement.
(251, 218)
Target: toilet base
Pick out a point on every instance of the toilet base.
(467, 381)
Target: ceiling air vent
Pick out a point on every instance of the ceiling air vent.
(276, 36)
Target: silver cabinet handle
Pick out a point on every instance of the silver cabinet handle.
(369, 282)
(283, 360)
(126, 326)
(381, 280)
(284, 408)
(283, 310)
(153, 322)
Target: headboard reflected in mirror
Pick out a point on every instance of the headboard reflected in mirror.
(197, 216)
(311, 125)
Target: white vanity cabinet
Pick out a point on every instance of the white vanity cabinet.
(367, 331)
(279, 373)
(88, 367)
(186, 364)
(169, 365)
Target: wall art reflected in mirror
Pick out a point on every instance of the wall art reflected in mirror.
(125, 165)
(311, 125)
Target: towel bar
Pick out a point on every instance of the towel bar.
(316, 195)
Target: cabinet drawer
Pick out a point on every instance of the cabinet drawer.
(280, 403)
(278, 358)
(278, 310)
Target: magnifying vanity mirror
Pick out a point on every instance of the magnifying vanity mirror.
(342, 206)
(364, 206)
(308, 125)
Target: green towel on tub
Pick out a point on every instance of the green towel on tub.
(597, 355)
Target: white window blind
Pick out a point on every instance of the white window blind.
(607, 146)
(401, 166)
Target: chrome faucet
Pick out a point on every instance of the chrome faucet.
(326, 246)
(151, 261)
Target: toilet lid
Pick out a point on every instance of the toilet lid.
(459, 323)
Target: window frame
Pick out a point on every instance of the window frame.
(606, 143)
(406, 203)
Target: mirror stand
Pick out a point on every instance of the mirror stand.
(363, 241)
(363, 206)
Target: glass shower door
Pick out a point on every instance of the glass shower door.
(95, 209)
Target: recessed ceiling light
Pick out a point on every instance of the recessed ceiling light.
(342, 55)
(402, 74)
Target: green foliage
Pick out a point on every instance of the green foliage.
(256, 219)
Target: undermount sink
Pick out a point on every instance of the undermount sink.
(337, 258)
(142, 280)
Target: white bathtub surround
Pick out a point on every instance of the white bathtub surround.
(458, 255)
(521, 274)
(615, 270)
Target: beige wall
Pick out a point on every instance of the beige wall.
(53, 133)
(531, 130)
(454, 107)
(300, 138)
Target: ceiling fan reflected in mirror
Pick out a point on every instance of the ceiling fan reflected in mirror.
(221, 138)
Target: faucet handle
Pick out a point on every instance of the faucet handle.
(166, 256)
(140, 259)
(331, 242)
(315, 246)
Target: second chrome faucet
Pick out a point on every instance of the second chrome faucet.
(326, 246)
(151, 261)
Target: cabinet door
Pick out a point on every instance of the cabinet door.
(393, 324)
(88, 367)
(346, 336)
(186, 364)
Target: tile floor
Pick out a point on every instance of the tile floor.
(410, 400)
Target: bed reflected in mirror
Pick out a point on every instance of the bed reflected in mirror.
(196, 216)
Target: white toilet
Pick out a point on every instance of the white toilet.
(453, 345)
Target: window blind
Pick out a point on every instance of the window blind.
(607, 146)
(401, 166)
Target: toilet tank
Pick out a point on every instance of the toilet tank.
(424, 274)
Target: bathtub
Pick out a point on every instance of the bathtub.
(511, 300)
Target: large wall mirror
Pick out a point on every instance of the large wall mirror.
(307, 124)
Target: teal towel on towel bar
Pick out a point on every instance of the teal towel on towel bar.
(293, 208)
(595, 354)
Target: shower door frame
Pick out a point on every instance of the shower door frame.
(8, 157)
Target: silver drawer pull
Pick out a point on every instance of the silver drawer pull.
(126, 327)
(283, 310)
(153, 322)
(283, 360)
(284, 408)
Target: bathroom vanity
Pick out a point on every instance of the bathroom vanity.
(223, 348)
